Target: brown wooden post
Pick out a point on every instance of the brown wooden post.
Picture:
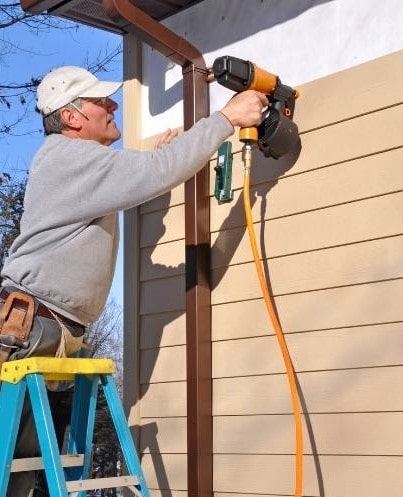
(198, 310)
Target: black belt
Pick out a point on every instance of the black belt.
(42, 310)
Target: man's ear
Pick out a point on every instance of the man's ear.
(70, 119)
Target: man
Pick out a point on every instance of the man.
(64, 258)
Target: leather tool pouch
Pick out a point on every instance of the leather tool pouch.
(16, 318)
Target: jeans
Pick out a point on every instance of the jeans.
(24, 483)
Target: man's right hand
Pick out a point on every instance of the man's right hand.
(245, 108)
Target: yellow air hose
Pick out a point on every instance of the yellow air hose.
(268, 299)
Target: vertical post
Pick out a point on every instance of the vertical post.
(198, 319)
(132, 75)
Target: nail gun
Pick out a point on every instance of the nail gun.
(277, 133)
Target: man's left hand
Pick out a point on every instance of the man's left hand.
(166, 137)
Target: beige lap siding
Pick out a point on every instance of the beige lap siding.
(162, 344)
(332, 224)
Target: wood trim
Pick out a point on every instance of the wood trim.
(370, 433)
(198, 311)
(347, 476)
(132, 68)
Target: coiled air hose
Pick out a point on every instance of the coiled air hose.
(268, 299)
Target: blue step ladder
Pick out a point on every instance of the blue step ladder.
(32, 374)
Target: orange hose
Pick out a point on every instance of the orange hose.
(268, 299)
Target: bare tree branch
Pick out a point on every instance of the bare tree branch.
(18, 96)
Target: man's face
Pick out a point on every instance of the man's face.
(97, 120)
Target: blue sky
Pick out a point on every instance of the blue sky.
(32, 55)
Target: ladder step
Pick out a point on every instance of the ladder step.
(97, 483)
(35, 463)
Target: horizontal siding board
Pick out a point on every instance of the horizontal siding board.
(357, 137)
(163, 493)
(349, 476)
(163, 400)
(237, 494)
(341, 434)
(346, 265)
(369, 86)
(339, 225)
(163, 364)
(341, 142)
(172, 493)
(354, 390)
(367, 346)
(360, 305)
(328, 434)
(162, 261)
(165, 471)
(171, 198)
(162, 226)
(163, 295)
(316, 189)
(163, 329)
(263, 169)
(164, 435)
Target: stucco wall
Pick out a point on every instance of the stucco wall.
(298, 40)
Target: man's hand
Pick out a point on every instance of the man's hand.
(245, 108)
(166, 137)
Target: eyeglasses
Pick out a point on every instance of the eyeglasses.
(102, 101)
(72, 104)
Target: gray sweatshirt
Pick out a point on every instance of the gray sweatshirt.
(66, 252)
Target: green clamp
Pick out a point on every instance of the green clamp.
(222, 191)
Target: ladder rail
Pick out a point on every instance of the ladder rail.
(126, 441)
(46, 435)
(31, 380)
(10, 413)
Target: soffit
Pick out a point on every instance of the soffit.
(92, 12)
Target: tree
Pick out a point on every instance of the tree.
(107, 456)
(11, 209)
(19, 96)
(20, 93)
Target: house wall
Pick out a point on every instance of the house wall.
(330, 221)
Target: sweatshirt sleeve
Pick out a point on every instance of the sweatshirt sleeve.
(108, 180)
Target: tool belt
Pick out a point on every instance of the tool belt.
(16, 323)
(16, 318)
